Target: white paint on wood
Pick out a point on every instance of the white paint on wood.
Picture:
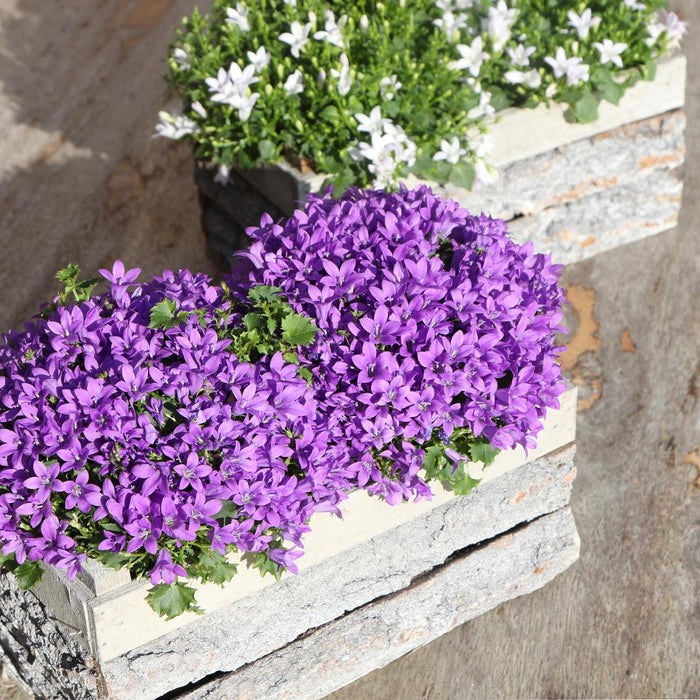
(522, 133)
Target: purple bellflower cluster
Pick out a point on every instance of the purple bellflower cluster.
(436, 335)
(380, 341)
(132, 430)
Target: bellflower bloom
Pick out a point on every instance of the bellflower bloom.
(450, 151)
(175, 126)
(610, 51)
(419, 342)
(296, 37)
(472, 57)
(583, 23)
(238, 17)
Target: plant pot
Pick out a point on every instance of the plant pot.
(373, 586)
(574, 189)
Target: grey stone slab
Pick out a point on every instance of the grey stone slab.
(376, 634)
(580, 169)
(41, 651)
(607, 219)
(280, 613)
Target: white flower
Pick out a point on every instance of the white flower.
(321, 77)
(373, 123)
(245, 107)
(450, 23)
(635, 5)
(223, 89)
(385, 150)
(333, 31)
(583, 23)
(530, 78)
(294, 83)
(484, 108)
(655, 29)
(175, 126)
(572, 68)
(498, 23)
(182, 58)
(610, 51)
(296, 37)
(238, 17)
(485, 173)
(199, 109)
(364, 23)
(230, 86)
(242, 78)
(260, 59)
(472, 57)
(343, 75)
(388, 87)
(520, 55)
(223, 175)
(673, 27)
(290, 3)
(450, 151)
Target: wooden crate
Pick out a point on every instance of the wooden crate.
(574, 189)
(448, 559)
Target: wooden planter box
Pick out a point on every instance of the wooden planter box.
(574, 189)
(373, 586)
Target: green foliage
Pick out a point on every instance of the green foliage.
(271, 326)
(28, 574)
(262, 562)
(434, 101)
(81, 291)
(171, 600)
(214, 567)
(438, 465)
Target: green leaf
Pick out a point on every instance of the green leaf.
(28, 574)
(267, 149)
(163, 314)
(214, 567)
(330, 113)
(464, 485)
(648, 70)
(228, 510)
(463, 175)
(298, 330)
(68, 274)
(263, 292)
(253, 321)
(586, 109)
(483, 452)
(265, 565)
(172, 599)
(114, 560)
(608, 88)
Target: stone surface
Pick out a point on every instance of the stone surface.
(387, 563)
(468, 585)
(40, 650)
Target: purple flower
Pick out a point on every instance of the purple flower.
(164, 570)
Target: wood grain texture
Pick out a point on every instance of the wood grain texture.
(79, 93)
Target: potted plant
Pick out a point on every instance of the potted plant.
(383, 346)
(280, 98)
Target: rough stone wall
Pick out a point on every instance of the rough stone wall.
(40, 651)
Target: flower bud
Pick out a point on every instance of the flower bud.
(364, 23)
